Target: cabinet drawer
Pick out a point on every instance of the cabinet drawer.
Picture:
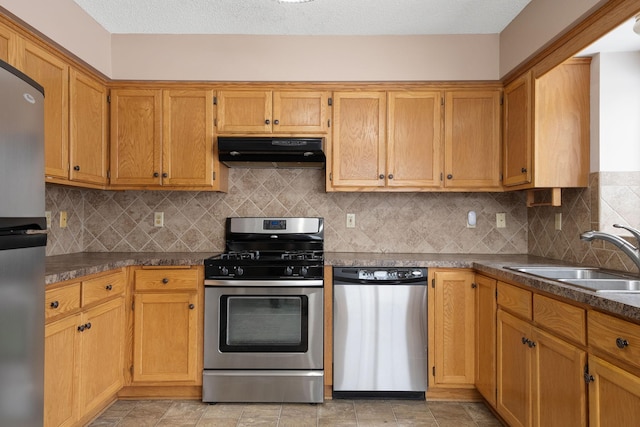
(614, 336)
(103, 287)
(563, 319)
(170, 279)
(61, 300)
(515, 300)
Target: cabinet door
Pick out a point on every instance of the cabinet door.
(358, 155)
(61, 357)
(517, 132)
(53, 74)
(88, 143)
(136, 128)
(414, 139)
(300, 112)
(244, 111)
(165, 337)
(8, 40)
(472, 139)
(559, 390)
(514, 370)
(187, 147)
(614, 395)
(486, 308)
(101, 367)
(454, 328)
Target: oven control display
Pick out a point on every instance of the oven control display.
(274, 224)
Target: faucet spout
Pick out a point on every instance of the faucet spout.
(626, 247)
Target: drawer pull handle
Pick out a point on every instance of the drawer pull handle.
(109, 287)
(165, 280)
(622, 343)
(55, 304)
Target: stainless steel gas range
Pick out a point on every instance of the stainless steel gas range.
(264, 312)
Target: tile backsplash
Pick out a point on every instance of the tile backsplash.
(194, 221)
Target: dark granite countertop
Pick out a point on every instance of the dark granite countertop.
(72, 266)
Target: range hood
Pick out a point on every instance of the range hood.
(271, 152)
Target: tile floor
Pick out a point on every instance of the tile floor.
(338, 413)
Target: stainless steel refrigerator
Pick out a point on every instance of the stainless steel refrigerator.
(22, 249)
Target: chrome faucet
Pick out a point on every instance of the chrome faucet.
(626, 247)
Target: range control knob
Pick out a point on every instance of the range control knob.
(288, 271)
(239, 271)
(303, 271)
(224, 271)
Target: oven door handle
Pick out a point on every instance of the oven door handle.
(266, 283)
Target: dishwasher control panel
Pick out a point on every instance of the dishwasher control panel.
(380, 274)
(395, 274)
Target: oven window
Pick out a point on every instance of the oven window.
(259, 323)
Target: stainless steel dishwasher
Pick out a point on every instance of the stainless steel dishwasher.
(379, 332)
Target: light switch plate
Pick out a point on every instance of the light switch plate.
(501, 220)
(63, 219)
(558, 221)
(158, 219)
(351, 220)
(47, 215)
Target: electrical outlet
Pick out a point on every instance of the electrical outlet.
(351, 220)
(158, 219)
(47, 215)
(63, 219)
(559, 221)
(501, 220)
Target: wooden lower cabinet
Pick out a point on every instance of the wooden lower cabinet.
(540, 377)
(167, 327)
(614, 395)
(485, 316)
(451, 319)
(83, 351)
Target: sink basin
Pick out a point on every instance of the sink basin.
(559, 272)
(606, 285)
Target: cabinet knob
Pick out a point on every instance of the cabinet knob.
(523, 170)
(381, 176)
(532, 344)
(266, 122)
(473, 285)
(390, 176)
(191, 306)
(54, 304)
(76, 168)
(621, 342)
(156, 174)
(525, 340)
(449, 176)
(88, 325)
(276, 122)
(109, 287)
(164, 174)
(165, 280)
(81, 328)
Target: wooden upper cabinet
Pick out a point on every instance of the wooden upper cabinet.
(88, 134)
(358, 151)
(546, 128)
(472, 139)
(517, 131)
(53, 74)
(414, 139)
(187, 146)
(254, 111)
(8, 40)
(136, 137)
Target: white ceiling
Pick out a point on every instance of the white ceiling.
(318, 17)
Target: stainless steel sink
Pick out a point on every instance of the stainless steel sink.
(590, 278)
(606, 285)
(559, 272)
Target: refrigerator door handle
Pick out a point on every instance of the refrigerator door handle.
(31, 231)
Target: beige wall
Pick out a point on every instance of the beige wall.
(540, 23)
(305, 58)
(202, 57)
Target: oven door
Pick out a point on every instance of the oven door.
(263, 327)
